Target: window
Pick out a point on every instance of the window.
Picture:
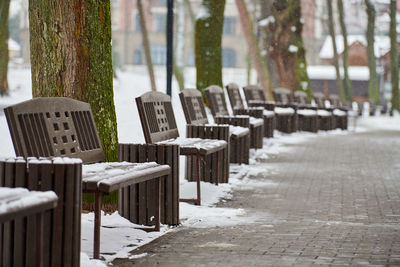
(137, 57)
(160, 22)
(228, 58)
(136, 22)
(162, 2)
(158, 54)
(229, 25)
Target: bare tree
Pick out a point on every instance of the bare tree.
(146, 45)
(339, 83)
(394, 58)
(208, 39)
(254, 50)
(373, 85)
(4, 35)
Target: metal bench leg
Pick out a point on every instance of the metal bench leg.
(39, 240)
(97, 224)
(198, 201)
(157, 226)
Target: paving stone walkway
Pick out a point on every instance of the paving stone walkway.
(336, 202)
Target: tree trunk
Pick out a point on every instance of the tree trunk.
(180, 45)
(146, 45)
(71, 56)
(190, 10)
(373, 85)
(4, 35)
(394, 60)
(208, 39)
(347, 83)
(254, 50)
(285, 45)
(339, 83)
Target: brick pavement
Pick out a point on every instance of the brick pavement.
(337, 203)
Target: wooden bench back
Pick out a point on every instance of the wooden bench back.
(216, 100)
(234, 96)
(319, 99)
(335, 100)
(193, 106)
(301, 97)
(54, 127)
(254, 93)
(282, 95)
(157, 117)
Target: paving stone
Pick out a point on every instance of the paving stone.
(337, 202)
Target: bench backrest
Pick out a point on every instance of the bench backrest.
(282, 95)
(216, 100)
(157, 117)
(254, 93)
(335, 101)
(234, 96)
(54, 127)
(193, 106)
(319, 99)
(301, 97)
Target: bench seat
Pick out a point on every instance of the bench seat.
(194, 146)
(109, 176)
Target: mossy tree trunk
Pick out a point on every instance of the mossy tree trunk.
(4, 35)
(346, 82)
(179, 45)
(394, 58)
(146, 45)
(286, 46)
(373, 85)
(254, 49)
(71, 56)
(208, 39)
(339, 83)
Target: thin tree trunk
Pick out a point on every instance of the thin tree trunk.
(394, 59)
(4, 36)
(373, 85)
(180, 45)
(146, 45)
(71, 56)
(339, 83)
(190, 10)
(347, 83)
(208, 39)
(254, 50)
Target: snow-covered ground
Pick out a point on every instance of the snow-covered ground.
(118, 236)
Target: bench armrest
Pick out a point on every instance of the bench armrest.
(256, 112)
(240, 120)
(220, 132)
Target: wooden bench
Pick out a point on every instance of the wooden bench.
(219, 110)
(326, 119)
(340, 111)
(284, 99)
(196, 118)
(64, 127)
(16, 205)
(308, 117)
(238, 108)
(285, 119)
(159, 127)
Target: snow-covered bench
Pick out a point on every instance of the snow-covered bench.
(286, 118)
(159, 127)
(308, 115)
(238, 108)
(16, 205)
(219, 110)
(326, 118)
(340, 111)
(198, 126)
(64, 127)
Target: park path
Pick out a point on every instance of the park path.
(336, 202)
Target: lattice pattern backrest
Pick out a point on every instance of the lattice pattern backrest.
(157, 117)
(319, 99)
(193, 107)
(301, 97)
(54, 127)
(335, 100)
(234, 96)
(254, 92)
(282, 95)
(216, 100)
